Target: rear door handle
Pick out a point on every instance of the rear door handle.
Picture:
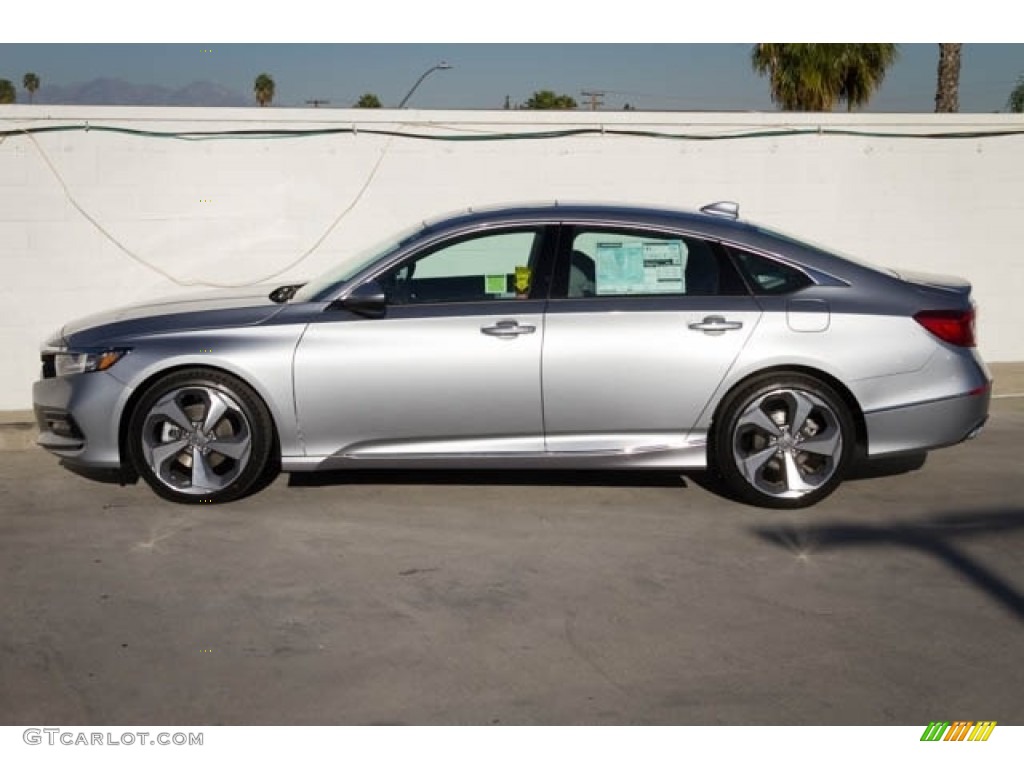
(507, 329)
(715, 324)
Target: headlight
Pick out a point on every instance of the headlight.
(70, 362)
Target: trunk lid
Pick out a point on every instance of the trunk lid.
(947, 283)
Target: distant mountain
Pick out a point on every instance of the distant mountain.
(120, 92)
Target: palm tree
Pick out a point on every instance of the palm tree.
(862, 68)
(1016, 101)
(794, 75)
(31, 83)
(947, 91)
(7, 94)
(264, 89)
(814, 77)
(369, 101)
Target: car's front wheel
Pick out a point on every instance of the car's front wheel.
(783, 441)
(200, 435)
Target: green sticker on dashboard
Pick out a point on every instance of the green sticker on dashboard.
(495, 283)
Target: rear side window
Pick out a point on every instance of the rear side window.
(767, 277)
(606, 262)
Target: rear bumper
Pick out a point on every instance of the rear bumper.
(924, 426)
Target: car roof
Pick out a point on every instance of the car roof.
(712, 224)
(720, 226)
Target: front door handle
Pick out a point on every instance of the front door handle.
(715, 324)
(507, 329)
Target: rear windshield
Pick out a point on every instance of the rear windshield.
(791, 240)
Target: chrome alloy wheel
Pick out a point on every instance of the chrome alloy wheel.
(196, 439)
(787, 443)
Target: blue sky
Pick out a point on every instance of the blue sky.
(647, 76)
(649, 53)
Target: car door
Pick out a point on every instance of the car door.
(451, 368)
(642, 327)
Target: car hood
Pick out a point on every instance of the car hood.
(211, 309)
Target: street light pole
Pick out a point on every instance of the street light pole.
(441, 65)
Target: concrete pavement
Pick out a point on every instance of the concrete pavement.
(535, 598)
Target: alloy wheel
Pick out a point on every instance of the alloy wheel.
(196, 439)
(788, 443)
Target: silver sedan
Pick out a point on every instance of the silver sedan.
(597, 337)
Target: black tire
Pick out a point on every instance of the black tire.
(765, 459)
(216, 422)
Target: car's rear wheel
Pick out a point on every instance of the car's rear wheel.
(783, 441)
(201, 436)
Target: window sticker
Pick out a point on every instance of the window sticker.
(640, 268)
(495, 284)
(522, 280)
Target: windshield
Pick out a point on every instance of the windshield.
(353, 265)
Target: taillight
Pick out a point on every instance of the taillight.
(951, 325)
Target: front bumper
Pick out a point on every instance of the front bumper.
(89, 404)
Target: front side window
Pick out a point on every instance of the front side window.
(614, 262)
(487, 267)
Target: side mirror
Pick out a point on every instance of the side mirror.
(368, 300)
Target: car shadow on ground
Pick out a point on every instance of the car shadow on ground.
(635, 478)
(869, 469)
(474, 477)
(584, 478)
(588, 478)
(862, 469)
(97, 475)
(935, 535)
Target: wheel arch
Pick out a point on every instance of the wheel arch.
(856, 413)
(146, 384)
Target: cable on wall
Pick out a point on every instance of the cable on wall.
(204, 283)
(292, 133)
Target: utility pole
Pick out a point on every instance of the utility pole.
(595, 99)
(317, 102)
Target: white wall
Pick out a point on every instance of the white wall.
(90, 219)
